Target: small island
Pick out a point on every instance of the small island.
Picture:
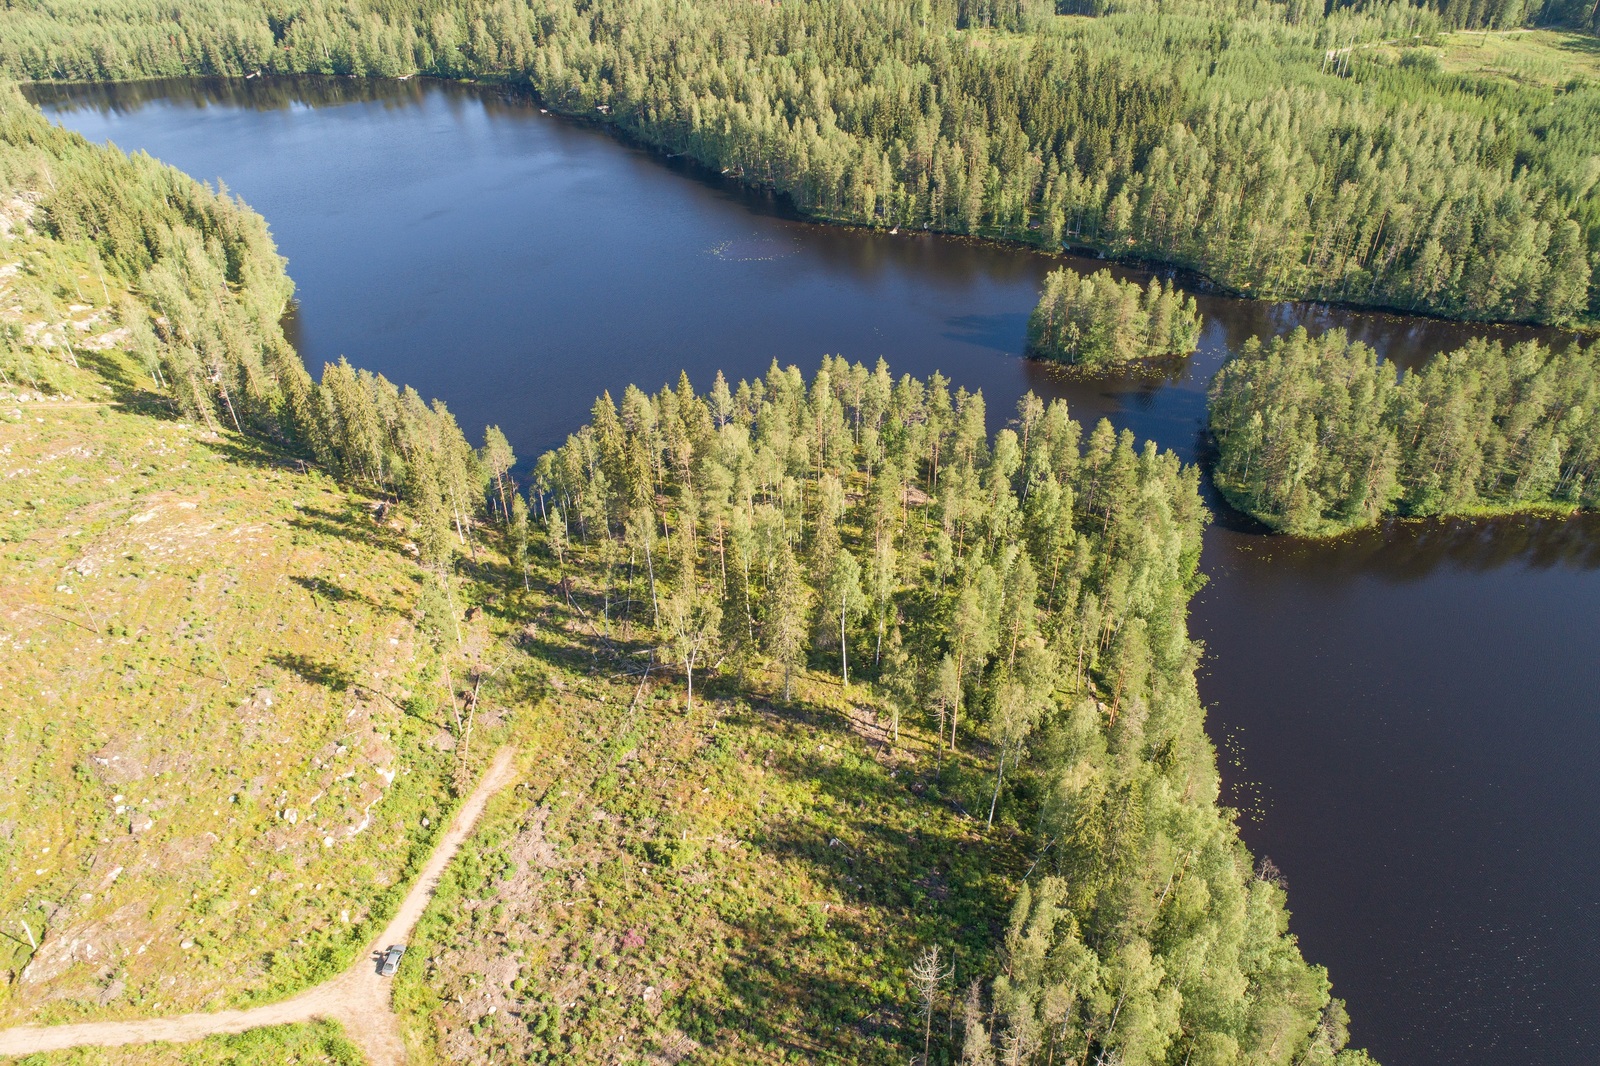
(1098, 321)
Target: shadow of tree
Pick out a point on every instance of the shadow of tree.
(322, 588)
(906, 873)
(353, 523)
(254, 451)
(126, 390)
(331, 676)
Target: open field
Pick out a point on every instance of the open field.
(214, 789)
(1543, 58)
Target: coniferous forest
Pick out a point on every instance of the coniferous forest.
(1007, 592)
(1027, 591)
(1278, 150)
(1318, 436)
(1098, 321)
(1022, 596)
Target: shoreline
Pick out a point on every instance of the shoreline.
(1195, 280)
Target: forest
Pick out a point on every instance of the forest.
(1021, 597)
(1023, 594)
(1316, 435)
(1098, 321)
(1276, 149)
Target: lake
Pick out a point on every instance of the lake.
(1408, 718)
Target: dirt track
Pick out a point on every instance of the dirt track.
(358, 998)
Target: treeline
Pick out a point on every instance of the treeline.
(1027, 590)
(1317, 435)
(1506, 14)
(204, 265)
(204, 294)
(1249, 142)
(1098, 321)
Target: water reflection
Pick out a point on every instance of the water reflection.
(253, 94)
(1412, 550)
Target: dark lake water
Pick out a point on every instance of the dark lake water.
(1409, 718)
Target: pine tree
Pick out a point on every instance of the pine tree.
(784, 622)
(497, 459)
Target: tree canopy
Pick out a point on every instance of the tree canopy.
(1316, 435)
(1264, 145)
(1023, 595)
(1098, 321)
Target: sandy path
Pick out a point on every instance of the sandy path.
(358, 998)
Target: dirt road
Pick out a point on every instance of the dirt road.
(358, 998)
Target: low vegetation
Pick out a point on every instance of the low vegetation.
(747, 881)
(227, 759)
(1550, 59)
(1316, 435)
(237, 722)
(1097, 321)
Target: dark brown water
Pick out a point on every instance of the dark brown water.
(1408, 717)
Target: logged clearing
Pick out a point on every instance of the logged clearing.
(213, 788)
(358, 1001)
(218, 774)
(749, 880)
(1545, 58)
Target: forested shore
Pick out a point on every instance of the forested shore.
(1026, 592)
(1317, 436)
(1267, 148)
(1020, 597)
